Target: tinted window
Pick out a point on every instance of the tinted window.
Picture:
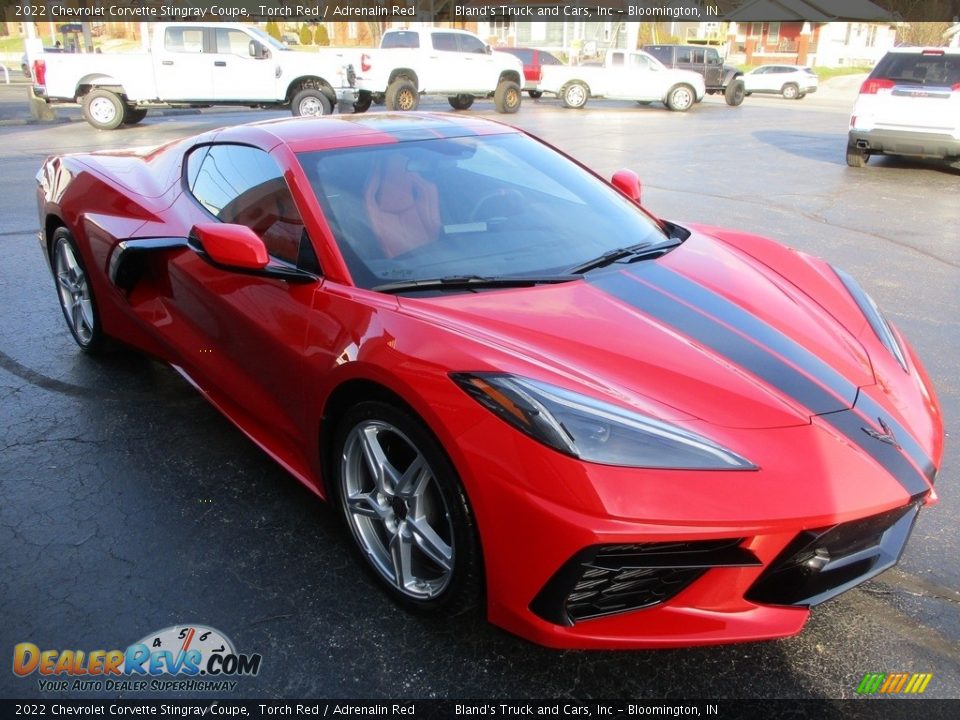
(244, 185)
(713, 57)
(183, 39)
(663, 54)
(616, 59)
(525, 55)
(917, 69)
(444, 41)
(470, 44)
(232, 42)
(400, 39)
(548, 59)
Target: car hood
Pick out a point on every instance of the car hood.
(705, 332)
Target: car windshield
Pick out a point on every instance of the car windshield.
(934, 68)
(495, 205)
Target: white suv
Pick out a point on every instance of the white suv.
(909, 105)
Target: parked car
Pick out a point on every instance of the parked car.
(514, 384)
(791, 81)
(533, 60)
(195, 64)
(705, 61)
(624, 75)
(908, 105)
(440, 61)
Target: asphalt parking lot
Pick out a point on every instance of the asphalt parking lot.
(127, 504)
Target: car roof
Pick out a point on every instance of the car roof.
(329, 132)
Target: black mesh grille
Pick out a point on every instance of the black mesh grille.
(607, 579)
(820, 564)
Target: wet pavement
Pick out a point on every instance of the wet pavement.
(127, 504)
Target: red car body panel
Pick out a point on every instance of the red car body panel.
(270, 354)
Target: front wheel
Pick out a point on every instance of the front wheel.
(402, 95)
(405, 507)
(574, 95)
(75, 292)
(363, 103)
(103, 109)
(310, 102)
(460, 102)
(132, 115)
(857, 157)
(507, 97)
(681, 98)
(790, 92)
(734, 93)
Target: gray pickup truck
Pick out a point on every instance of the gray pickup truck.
(718, 76)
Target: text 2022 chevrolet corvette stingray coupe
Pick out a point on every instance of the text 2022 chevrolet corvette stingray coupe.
(518, 386)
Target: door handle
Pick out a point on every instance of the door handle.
(167, 62)
(220, 63)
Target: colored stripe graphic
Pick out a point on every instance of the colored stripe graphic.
(894, 683)
(731, 331)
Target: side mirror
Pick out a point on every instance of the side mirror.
(627, 182)
(233, 247)
(488, 50)
(258, 50)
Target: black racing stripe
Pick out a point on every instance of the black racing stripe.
(874, 411)
(893, 460)
(709, 332)
(758, 360)
(753, 327)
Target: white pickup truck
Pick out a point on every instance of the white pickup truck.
(193, 64)
(438, 61)
(624, 75)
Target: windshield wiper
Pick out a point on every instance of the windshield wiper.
(642, 251)
(473, 282)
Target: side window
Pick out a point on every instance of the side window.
(471, 44)
(183, 39)
(616, 59)
(401, 39)
(232, 42)
(244, 185)
(444, 41)
(526, 56)
(663, 54)
(698, 56)
(684, 55)
(713, 57)
(639, 62)
(548, 59)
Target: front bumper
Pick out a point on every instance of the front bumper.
(902, 142)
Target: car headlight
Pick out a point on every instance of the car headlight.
(594, 430)
(881, 327)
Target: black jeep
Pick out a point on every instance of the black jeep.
(718, 77)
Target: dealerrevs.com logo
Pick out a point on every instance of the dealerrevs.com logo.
(177, 658)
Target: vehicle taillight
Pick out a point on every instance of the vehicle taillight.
(872, 85)
(365, 63)
(932, 52)
(955, 87)
(39, 72)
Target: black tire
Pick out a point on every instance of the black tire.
(681, 98)
(103, 109)
(460, 102)
(856, 157)
(801, 96)
(75, 292)
(734, 93)
(508, 97)
(790, 91)
(310, 102)
(363, 103)
(644, 102)
(131, 115)
(442, 502)
(535, 94)
(574, 95)
(402, 95)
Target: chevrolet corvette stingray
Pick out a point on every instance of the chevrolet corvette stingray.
(520, 389)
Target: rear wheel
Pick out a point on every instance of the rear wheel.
(507, 97)
(103, 109)
(680, 98)
(734, 93)
(790, 91)
(402, 95)
(75, 292)
(311, 102)
(460, 102)
(857, 157)
(574, 95)
(132, 115)
(363, 103)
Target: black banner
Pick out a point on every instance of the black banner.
(65, 11)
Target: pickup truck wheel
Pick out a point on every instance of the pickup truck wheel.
(856, 157)
(574, 95)
(507, 97)
(402, 95)
(103, 109)
(131, 116)
(363, 103)
(460, 102)
(310, 103)
(680, 98)
(790, 91)
(535, 94)
(734, 93)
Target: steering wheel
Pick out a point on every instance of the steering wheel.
(498, 205)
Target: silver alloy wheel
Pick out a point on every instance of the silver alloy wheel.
(576, 95)
(102, 110)
(75, 296)
(681, 98)
(396, 511)
(310, 106)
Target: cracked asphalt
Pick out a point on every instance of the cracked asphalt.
(127, 504)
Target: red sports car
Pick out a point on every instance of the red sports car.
(518, 386)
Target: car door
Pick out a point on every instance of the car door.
(242, 68)
(183, 65)
(713, 69)
(646, 78)
(446, 65)
(756, 80)
(242, 336)
(480, 68)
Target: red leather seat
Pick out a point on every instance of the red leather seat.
(403, 208)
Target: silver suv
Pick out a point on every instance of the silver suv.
(909, 105)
